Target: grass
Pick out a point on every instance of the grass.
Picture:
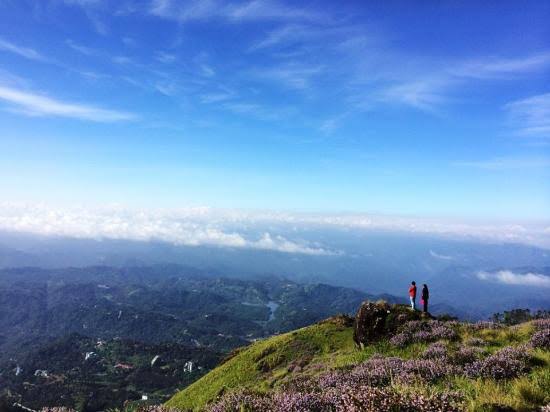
(269, 363)
(266, 363)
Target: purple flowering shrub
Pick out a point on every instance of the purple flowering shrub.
(383, 371)
(425, 370)
(467, 354)
(541, 339)
(401, 339)
(541, 324)
(424, 332)
(385, 400)
(348, 398)
(387, 383)
(436, 350)
(241, 401)
(507, 363)
(367, 386)
(377, 371)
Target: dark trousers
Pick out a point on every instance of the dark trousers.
(425, 305)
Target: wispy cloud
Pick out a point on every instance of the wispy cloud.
(511, 278)
(284, 34)
(497, 67)
(122, 60)
(129, 41)
(99, 25)
(215, 97)
(87, 51)
(430, 85)
(270, 10)
(508, 163)
(440, 256)
(328, 126)
(207, 71)
(167, 88)
(426, 95)
(83, 3)
(25, 52)
(258, 110)
(293, 34)
(164, 57)
(322, 34)
(531, 116)
(254, 10)
(292, 75)
(39, 105)
(253, 110)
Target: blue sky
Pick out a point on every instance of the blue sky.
(432, 109)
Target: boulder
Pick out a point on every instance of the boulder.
(376, 320)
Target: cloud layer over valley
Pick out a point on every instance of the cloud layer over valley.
(262, 230)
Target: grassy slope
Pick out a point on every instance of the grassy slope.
(264, 363)
(327, 345)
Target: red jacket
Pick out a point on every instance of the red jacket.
(412, 291)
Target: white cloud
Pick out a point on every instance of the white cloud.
(39, 105)
(511, 278)
(191, 227)
(25, 52)
(439, 256)
(531, 115)
(245, 229)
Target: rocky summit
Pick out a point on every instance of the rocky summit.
(375, 320)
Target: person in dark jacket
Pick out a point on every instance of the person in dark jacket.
(425, 297)
(412, 294)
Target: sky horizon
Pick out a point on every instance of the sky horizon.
(432, 110)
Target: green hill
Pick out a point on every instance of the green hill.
(284, 362)
(267, 363)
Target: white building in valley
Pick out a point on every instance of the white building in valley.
(188, 367)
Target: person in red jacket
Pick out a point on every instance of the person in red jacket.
(412, 294)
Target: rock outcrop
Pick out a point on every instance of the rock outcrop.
(375, 320)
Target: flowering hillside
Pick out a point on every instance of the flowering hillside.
(427, 365)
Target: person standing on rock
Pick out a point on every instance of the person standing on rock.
(425, 297)
(412, 295)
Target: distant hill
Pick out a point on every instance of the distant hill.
(51, 317)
